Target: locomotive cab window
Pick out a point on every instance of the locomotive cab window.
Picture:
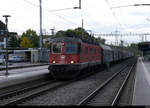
(56, 48)
(71, 48)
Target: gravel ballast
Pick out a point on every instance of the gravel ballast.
(73, 93)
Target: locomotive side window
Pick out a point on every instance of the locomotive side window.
(91, 50)
(99, 51)
(56, 48)
(71, 48)
(79, 48)
(95, 50)
(86, 50)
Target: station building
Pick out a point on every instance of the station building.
(2, 34)
(144, 47)
(29, 54)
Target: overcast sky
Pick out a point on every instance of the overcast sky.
(97, 15)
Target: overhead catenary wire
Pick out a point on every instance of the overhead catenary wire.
(31, 3)
(50, 11)
(61, 9)
(113, 13)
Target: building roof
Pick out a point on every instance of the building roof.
(2, 28)
(144, 46)
(2, 25)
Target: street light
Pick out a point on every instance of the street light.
(6, 35)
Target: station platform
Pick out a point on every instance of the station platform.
(142, 84)
(20, 75)
(21, 65)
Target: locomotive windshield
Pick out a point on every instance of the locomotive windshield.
(56, 48)
(71, 48)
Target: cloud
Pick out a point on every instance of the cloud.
(96, 14)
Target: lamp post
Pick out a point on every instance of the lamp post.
(6, 35)
(41, 37)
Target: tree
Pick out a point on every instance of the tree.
(13, 42)
(100, 40)
(26, 43)
(134, 48)
(80, 33)
(60, 34)
(46, 44)
(32, 36)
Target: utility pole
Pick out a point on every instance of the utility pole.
(41, 38)
(145, 37)
(82, 27)
(52, 32)
(82, 23)
(142, 38)
(79, 4)
(116, 38)
(6, 35)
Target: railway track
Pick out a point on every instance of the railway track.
(13, 97)
(94, 97)
(21, 95)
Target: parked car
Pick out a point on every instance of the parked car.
(2, 60)
(16, 59)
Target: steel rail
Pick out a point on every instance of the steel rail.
(11, 93)
(34, 94)
(119, 93)
(17, 86)
(93, 94)
(29, 96)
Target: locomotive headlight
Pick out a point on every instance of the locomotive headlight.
(54, 62)
(72, 62)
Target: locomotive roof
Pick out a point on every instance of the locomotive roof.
(106, 47)
(66, 39)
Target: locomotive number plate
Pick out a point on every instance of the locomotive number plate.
(62, 57)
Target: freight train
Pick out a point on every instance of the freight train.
(69, 56)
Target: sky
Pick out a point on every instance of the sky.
(100, 16)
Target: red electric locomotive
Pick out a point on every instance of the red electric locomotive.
(69, 55)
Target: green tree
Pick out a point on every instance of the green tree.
(13, 41)
(134, 48)
(60, 34)
(100, 40)
(83, 34)
(46, 44)
(32, 36)
(80, 33)
(26, 43)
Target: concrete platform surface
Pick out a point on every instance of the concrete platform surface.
(20, 75)
(142, 84)
(21, 65)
